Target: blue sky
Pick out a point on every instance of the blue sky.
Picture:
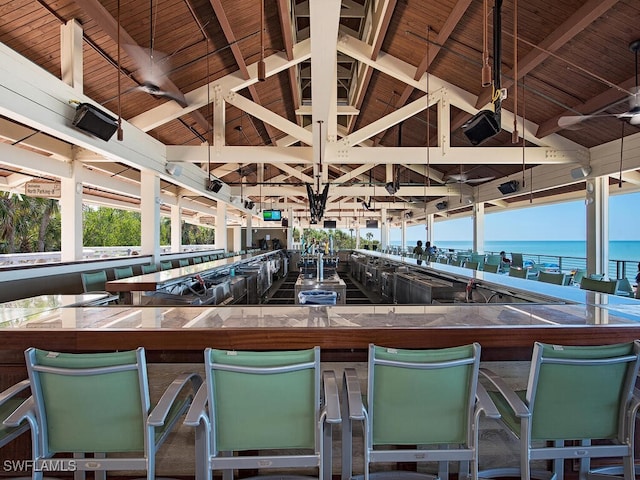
(561, 221)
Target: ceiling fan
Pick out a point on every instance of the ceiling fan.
(632, 115)
(153, 68)
(463, 177)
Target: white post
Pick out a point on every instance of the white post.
(249, 232)
(478, 227)
(597, 209)
(384, 230)
(150, 214)
(176, 226)
(221, 226)
(71, 214)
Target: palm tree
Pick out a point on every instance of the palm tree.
(369, 236)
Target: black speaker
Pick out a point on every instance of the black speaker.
(482, 126)
(213, 185)
(91, 120)
(441, 205)
(508, 187)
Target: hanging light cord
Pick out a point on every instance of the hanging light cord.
(621, 153)
(523, 132)
(514, 136)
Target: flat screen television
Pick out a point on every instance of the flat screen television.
(272, 215)
(330, 224)
(372, 223)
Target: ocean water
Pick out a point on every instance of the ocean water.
(618, 249)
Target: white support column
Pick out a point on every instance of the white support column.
(221, 226)
(150, 214)
(428, 223)
(71, 215)
(290, 229)
(249, 232)
(384, 230)
(403, 235)
(597, 210)
(176, 226)
(357, 236)
(71, 58)
(478, 227)
(233, 238)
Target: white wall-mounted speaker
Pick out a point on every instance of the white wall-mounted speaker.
(580, 172)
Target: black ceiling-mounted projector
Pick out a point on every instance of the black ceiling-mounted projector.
(94, 121)
(482, 126)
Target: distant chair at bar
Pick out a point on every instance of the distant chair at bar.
(491, 268)
(206, 258)
(493, 260)
(554, 278)
(151, 268)
(471, 265)
(624, 288)
(443, 260)
(602, 286)
(122, 272)
(183, 262)
(457, 262)
(516, 260)
(578, 276)
(94, 281)
(479, 259)
(517, 272)
(165, 266)
(197, 260)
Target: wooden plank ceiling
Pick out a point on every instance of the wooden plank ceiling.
(573, 58)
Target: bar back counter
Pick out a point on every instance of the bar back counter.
(176, 336)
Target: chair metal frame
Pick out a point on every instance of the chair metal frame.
(203, 415)
(47, 369)
(432, 447)
(543, 434)
(9, 402)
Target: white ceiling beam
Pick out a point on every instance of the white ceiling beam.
(386, 122)
(324, 22)
(33, 162)
(344, 110)
(234, 154)
(293, 172)
(336, 155)
(31, 138)
(269, 117)
(455, 155)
